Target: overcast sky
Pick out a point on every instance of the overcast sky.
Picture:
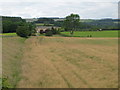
(60, 8)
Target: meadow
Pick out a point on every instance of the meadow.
(69, 62)
(61, 62)
(11, 60)
(92, 33)
(86, 59)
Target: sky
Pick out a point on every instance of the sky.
(87, 9)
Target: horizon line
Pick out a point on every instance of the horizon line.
(55, 17)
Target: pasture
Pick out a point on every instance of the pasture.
(93, 33)
(69, 62)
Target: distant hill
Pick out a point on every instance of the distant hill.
(31, 19)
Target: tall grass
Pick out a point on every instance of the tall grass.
(12, 54)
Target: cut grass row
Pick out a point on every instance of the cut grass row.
(70, 63)
(11, 60)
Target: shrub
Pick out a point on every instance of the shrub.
(41, 31)
(33, 34)
(5, 83)
(48, 32)
(90, 35)
(55, 31)
(58, 31)
(23, 31)
(61, 29)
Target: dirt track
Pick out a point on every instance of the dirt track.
(69, 63)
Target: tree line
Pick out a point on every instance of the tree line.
(17, 25)
(10, 24)
(71, 23)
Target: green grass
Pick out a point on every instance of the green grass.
(9, 34)
(42, 24)
(39, 24)
(93, 33)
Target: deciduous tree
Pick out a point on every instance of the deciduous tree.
(71, 23)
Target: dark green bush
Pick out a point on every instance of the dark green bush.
(48, 33)
(41, 31)
(61, 29)
(54, 31)
(23, 31)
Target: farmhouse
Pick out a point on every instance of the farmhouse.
(38, 28)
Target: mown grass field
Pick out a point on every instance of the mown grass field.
(69, 62)
(93, 33)
(61, 62)
(11, 60)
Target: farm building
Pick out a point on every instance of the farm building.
(38, 28)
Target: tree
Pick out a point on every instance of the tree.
(46, 21)
(54, 31)
(71, 23)
(31, 29)
(10, 24)
(23, 31)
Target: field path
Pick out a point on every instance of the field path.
(68, 63)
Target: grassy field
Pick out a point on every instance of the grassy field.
(80, 34)
(69, 62)
(11, 59)
(9, 34)
(39, 24)
(42, 24)
(61, 62)
(93, 33)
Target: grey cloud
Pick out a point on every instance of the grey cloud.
(60, 8)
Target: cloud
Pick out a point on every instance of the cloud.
(59, 0)
(59, 8)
